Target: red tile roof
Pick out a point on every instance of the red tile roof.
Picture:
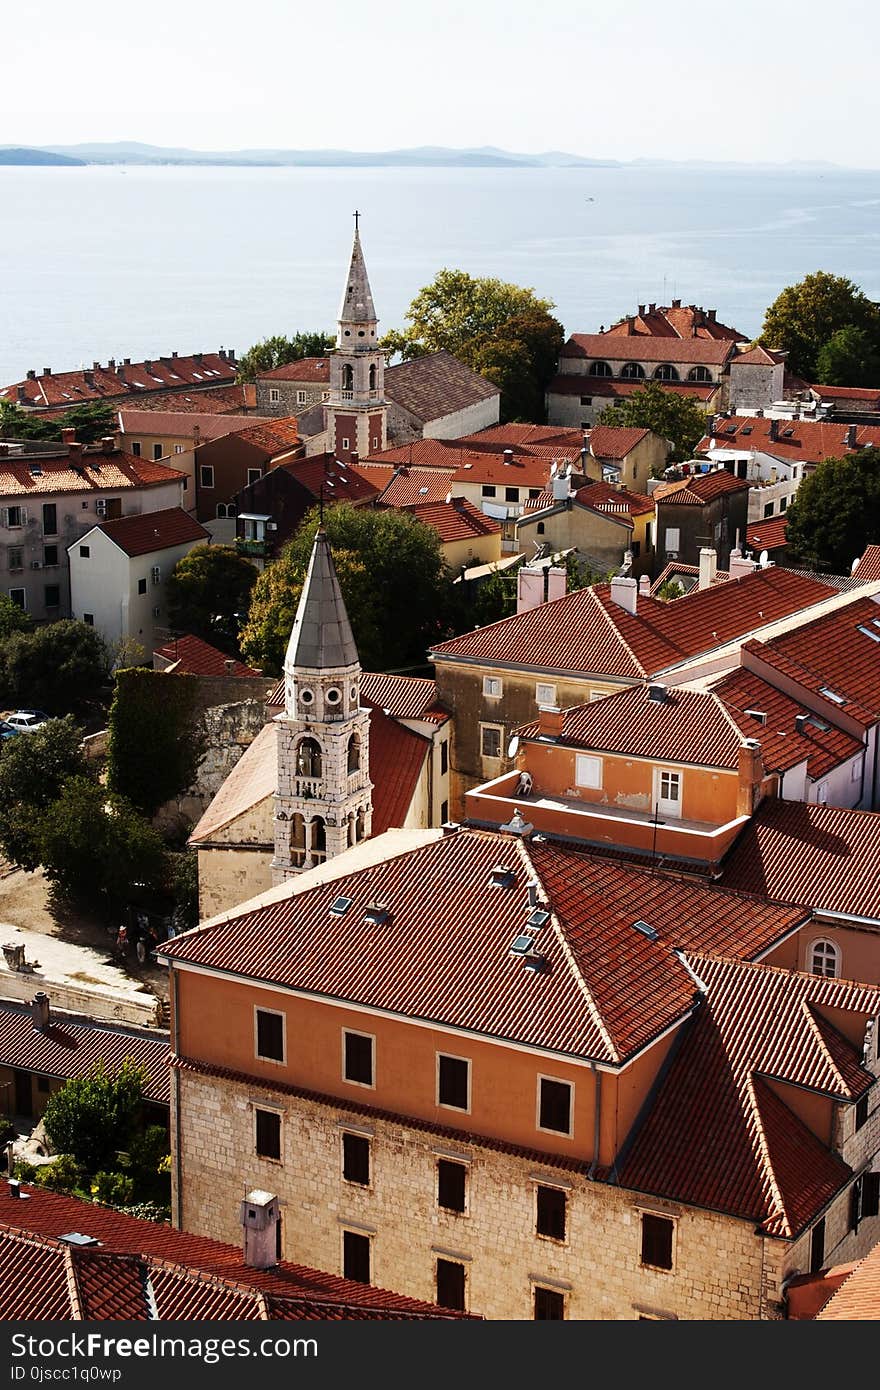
(686, 726)
(523, 470)
(675, 321)
(445, 948)
(81, 470)
(587, 632)
(833, 653)
(152, 531)
(758, 356)
(306, 369)
(105, 383)
(578, 385)
(191, 656)
(869, 394)
(602, 495)
(804, 441)
(410, 487)
(136, 1262)
(436, 385)
(819, 743)
(397, 759)
(822, 856)
(183, 424)
(403, 697)
(699, 489)
(858, 1297)
(342, 482)
(70, 1047)
(458, 520)
(687, 576)
(426, 453)
(272, 437)
(612, 347)
(614, 441)
(868, 567)
(768, 535)
(217, 400)
(519, 436)
(719, 1133)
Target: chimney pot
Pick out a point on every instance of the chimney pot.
(40, 1009)
(111, 364)
(773, 431)
(126, 361)
(353, 456)
(108, 443)
(851, 437)
(641, 311)
(21, 394)
(550, 721)
(708, 567)
(259, 1214)
(625, 592)
(68, 435)
(32, 375)
(710, 315)
(676, 303)
(652, 308)
(96, 366)
(645, 586)
(47, 371)
(174, 354)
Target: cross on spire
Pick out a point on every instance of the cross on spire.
(356, 219)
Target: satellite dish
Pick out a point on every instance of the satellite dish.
(763, 559)
(852, 568)
(513, 746)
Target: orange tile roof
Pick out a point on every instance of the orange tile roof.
(71, 1046)
(272, 436)
(578, 385)
(458, 520)
(869, 394)
(184, 424)
(802, 441)
(868, 567)
(152, 531)
(106, 383)
(614, 441)
(611, 347)
(685, 575)
(822, 856)
(85, 470)
(696, 491)
(587, 632)
(193, 657)
(403, 697)
(716, 1098)
(309, 369)
(674, 321)
(834, 653)
(410, 487)
(522, 470)
(768, 535)
(600, 495)
(342, 482)
(685, 726)
(426, 453)
(758, 356)
(819, 743)
(397, 759)
(858, 1297)
(144, 1269)
(519, 436)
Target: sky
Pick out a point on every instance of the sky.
(754, 81)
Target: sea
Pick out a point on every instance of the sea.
(113, 261)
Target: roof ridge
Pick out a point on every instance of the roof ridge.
(73, 1289)
(727, 715)
(618, 634)
(752, 1084)
(816, 1023)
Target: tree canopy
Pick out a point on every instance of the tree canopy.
(33, 769)
(503, 331)
(93, 1116)
(91, 419)
(836, 512)
(156, 737)
(392, 576)
(806, 316)
(13, 618)
(59, 667)
(94, 846)
(208, 593)
(676, 418)
(277, 351)
(851, 357)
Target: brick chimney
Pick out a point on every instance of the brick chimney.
(750, 767)
(710, 315)
(625, 592)
(111, 364)
(850, 440)
(708, 567)
(353, 456)
(21, 394)
(89, 378)
(773, 430)
(68, 435)
(47, 371)
(32, 375)
(550, 721)
(259, 1215)
(641, 311)
(676, 303)
(40, 1010)
(108, 443)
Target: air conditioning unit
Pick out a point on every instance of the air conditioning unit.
(35, 565)
(101, 507)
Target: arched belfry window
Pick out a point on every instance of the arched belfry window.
(354, 753)
(348, 377)
(308, 758)
(373, 377)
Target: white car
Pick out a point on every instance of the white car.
(26, 721)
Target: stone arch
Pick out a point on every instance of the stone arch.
(699, 374)
(348, 377)
(354, 753)
(600, 369)
(666, 372)
(632, 371)
(318, 831)
(309, 759)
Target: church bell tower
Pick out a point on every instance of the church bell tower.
(356, 408)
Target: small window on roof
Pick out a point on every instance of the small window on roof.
(340, 906)
(832, 695)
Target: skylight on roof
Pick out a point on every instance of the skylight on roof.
(832, 695)
(376, 913)
(869, 632)
(646, 930)
(788, 433)
(340, 906)
(538, 919)
(746, 429)
(522, 945)
(502, 876)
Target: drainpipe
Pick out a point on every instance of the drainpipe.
(175, 1073)
(597, 1090)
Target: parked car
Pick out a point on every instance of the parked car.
(26, 721)
(6, 729)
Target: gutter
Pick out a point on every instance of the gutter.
(175, 1039)
(597, 1085)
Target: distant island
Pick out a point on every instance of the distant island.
(14, 154)
(427, 156)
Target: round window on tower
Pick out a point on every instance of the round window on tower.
(361, 333)
(353, 695)
(348, 332)
(333, 695)
(306, 697)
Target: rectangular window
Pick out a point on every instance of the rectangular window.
(274, 395)
(586, 400)
(648, 534)
(135, 447)
(50, 519)
(16, 558)
(178, 448)
(450, 1284)
(142, 586)
(357, 1058)
(356, 1256)
(492, 686)
(444, 758)
(52, 595)
(451, 1185)
(206, 475)
(588, 771)
(19, 597)
(657, 1234)
(345, 444)
(554, 1105)
(254, 475)
(671, 539)
(862, 1111)
(301, 397)
(768, 509)
(269, 1040)
(490, 741)
(15, 517)
(89, 619)
(356, 1159)
(444, 812)
(157, 453)
(50, 556)
(488, 490)
(534, 492)
(870, 1194)
(670, 786)
(511, 494)
(817, 1246)
(84, 552)
(267, 1125)
(156, 574)
(545, 694)
(550, 1215)
(453, 1081)
(549, 1305)
(783, 504)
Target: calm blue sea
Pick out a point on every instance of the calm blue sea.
(101, 262)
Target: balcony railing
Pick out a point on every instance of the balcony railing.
(259, 549)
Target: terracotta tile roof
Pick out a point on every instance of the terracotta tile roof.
(342, 482)
(411, 487)
(803, 441)
(446, 945)
(822, 856)
(611, 347)
(217, 400)
(675, 321)
(783, 745)
(142, 1263)
(686, 575)
(403, 697)
(610, 503)
(184, 424)
(614, 441)
(699, 489)
(426, 453)
(191, 656)
(834, 653)
(806, 1294)
(71, 1046)
(868, 567)
(152, 531)
(431, 387)
(520, 436)
(458, 520)
(600, 495)
(272, 437)
(717, 1097)
(768, 535)
(758, 356)
(686, 726)
(306, 369)
(858, 1297)
(397, 759)
(523, 470)
(587, 632)
(869, 394)
(86, 470)
(578, 385)
(105, 383)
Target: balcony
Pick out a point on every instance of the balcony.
(258, 550)
(346, 395)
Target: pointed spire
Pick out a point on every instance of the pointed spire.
(321, 638)
(357, 297)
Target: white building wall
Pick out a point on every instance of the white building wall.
(478, 416)
(105, 586)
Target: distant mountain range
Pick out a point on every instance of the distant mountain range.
(425, 156)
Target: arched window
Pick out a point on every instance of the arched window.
(632, 371)
(221, 509)
(361, 828)
(599, 369)
(699, 374)
(347, 377)
(825, 959)
(354, 753)
(666, 372)
(319, 836)
(308, 758)
(373, 377)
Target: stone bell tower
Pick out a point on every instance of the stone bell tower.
(356, 410)
(322, 803)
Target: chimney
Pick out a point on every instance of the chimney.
(230, 354)
(10, 1158)
(676, 303)
(738, 566)
(126, 361)
(508, 457)
(229, 665)
(708, 567)
(800, 722)
(89, 378)
(710, 315)
(850, 440)
(259, 1215)
(148, 366)
(625, 593)
(32, 375)
(750, 766)
(774, 429)
(21, 394)
(108, 443)
(555, 582)
(353, 456)
(529, 589)
(75, 450)
(652, 308)
(47, 371)
(645, 586)
(222, 354)
(174, 353)
(197, 358)
(111, 364)
(629, 326)
(96, 366)
(657, 692)
(641, 311)
(550, 719)
(120, 372)
(68, 435)
(197, 435)
(40, 1009)
(561, 485)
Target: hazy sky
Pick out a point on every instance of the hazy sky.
(750, 80)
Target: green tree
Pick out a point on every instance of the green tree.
(277, 351)
(59, 667)
(92, 420)
(208, 594)
(501, 330)
(156, 737)
(95, 846)
(12, 618)
(676, 418)
(851, 357)
(182, 876)
(93, 1116)
(33, 769)
(391, 572)
(803, 318)
(836, 512)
